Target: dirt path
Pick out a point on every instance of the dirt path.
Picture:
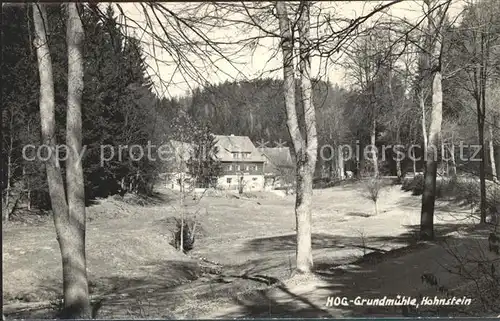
(398, 275)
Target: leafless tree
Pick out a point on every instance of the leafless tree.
(69, 214)
(435, 22)
(478, 43)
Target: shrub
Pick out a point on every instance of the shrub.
(187, 232)
(373, 188)
(414, 184)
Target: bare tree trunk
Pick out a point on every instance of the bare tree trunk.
(27, 177)
(482, 165)
(373, 133)
(424, 124)
(373, 138)
(9, 178)
(69, 219)
(181, 240)
(340, 166)
(480, 78)
(429, 194)
(443, 156)
(76, 292)
(9, 167)
(492, 154)
(452, 157)
(304, 250)
(305, 150)
(447, 168)
(399, 172)
(496, 151)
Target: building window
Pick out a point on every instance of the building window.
(230, 167)
(238, 167)
(256, 167)
(228, 180)
(236, 155)
(247, 168)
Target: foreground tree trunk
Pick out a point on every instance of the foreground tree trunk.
(76, 290)
(69, 220)
(305, 150)
(429, 193)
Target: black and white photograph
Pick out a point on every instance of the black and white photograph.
(265, 159)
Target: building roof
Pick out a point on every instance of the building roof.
(227, 145)
(277, 158)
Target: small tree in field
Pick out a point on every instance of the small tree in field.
(373, 189)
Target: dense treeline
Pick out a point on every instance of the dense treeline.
(119, 107)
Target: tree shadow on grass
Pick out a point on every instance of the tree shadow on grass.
(395, 272)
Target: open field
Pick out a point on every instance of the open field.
(251, 240)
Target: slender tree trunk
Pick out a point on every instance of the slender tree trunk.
(482, 165)
(373, 140)
(47, 116)
(9, 178)
(76, 289)
(305, 150)
(28, 176)
(480, 80)
(340, 166)
(304, 251)
(69, 220)
(399, 172)
(333, 167)
(452, 157)
(181, 240)
(492, 153)
(496, 150)
(447, 168)
(424, 123)
(443, 156)
(9, 167)
(429, 194)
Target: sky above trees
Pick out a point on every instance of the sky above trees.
(261, 59)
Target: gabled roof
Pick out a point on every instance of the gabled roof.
(278, 157)
(237, 144)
